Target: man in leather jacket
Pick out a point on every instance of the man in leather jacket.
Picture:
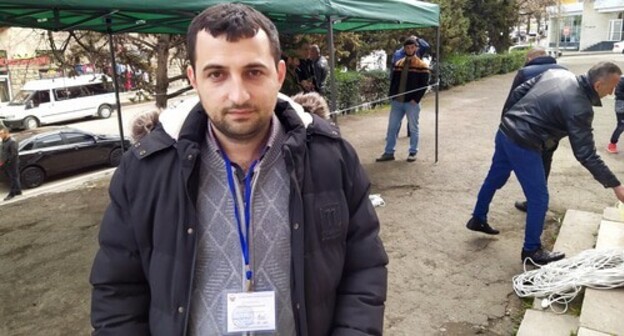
(537, 62)
(542, 111)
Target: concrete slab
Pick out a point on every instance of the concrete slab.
(588, 332)
(611, 234)
(612, 214)
(578, 232)
(602, 310)
(544, 323)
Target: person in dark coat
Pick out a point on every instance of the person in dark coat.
(9, 162)
(537, 118)
(537, 62)
(619, 114)
(242, 213)
(408, 82)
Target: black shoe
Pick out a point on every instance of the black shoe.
(541, 256)
(475, 224)
(9, 197)
(385, 157)
(411, 157)
(521, 205)
(18, 193)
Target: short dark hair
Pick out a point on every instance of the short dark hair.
(601, 70)
(409, 41)
(236, 21)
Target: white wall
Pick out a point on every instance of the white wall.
(595, 26)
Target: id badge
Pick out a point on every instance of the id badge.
(251, 311)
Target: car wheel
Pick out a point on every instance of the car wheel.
(32, 177)
(31, 123)
(105, 111)
(114, 158)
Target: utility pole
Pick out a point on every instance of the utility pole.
(558, 28)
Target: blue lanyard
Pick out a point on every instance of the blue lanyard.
(244, 239)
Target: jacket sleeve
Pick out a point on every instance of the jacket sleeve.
(120, 297)
(362, 290)
(584, 148)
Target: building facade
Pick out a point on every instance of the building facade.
(586, 25)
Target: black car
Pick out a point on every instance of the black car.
(45, 152)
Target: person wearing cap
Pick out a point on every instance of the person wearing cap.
(408, 81)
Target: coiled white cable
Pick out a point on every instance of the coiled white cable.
(561, 281)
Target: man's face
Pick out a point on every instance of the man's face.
(4, 134)
(312, 54)
(410, 49)
(605, 86)
(237, 83)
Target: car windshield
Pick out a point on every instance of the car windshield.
(21, 97)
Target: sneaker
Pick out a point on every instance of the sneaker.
(612, 148)
(385, 157)
(521, 205)
(411, 157)
(541, 256)
(475, 224)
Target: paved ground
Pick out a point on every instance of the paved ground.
(444, 280)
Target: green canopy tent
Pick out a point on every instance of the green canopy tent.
(173, 17)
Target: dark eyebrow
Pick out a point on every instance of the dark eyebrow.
(255, 65)
(212, 67)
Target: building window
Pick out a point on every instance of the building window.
(615, 30)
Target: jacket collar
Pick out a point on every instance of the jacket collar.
(542, 60)
(589, 90)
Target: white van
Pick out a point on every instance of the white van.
(46, 101)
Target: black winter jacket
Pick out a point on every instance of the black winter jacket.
(619, 89)
(417, 78)
(531, 69)
(9, 155)
(142, 274)
(554, 105)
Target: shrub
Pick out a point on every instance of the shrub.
(354, 88)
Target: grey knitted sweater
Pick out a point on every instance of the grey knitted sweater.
(219, 264)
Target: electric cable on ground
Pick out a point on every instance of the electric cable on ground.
(561, 281)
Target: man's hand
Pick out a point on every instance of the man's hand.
(619, 192)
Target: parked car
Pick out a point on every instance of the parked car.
(520, 47)
(618, 47)
(46, 101)
(50, 151)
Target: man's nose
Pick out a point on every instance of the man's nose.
(238, 93)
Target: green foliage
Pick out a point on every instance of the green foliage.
(461, 69)
(348, 85)
(375, 85)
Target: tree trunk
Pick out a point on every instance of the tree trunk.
(162, 80)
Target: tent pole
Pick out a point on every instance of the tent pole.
(437, 90)
(111, 45)
(332, 67)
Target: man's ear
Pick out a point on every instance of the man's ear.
(281, 72)
(190, 73)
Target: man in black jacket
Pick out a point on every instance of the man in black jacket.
(537, 63)
(246, 215)
(9, 162)
(619, 114)
(544, 110)
(408, 82)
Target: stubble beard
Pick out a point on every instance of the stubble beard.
(241, 132)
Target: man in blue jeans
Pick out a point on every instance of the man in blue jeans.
(536, 118)
(408, 81)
